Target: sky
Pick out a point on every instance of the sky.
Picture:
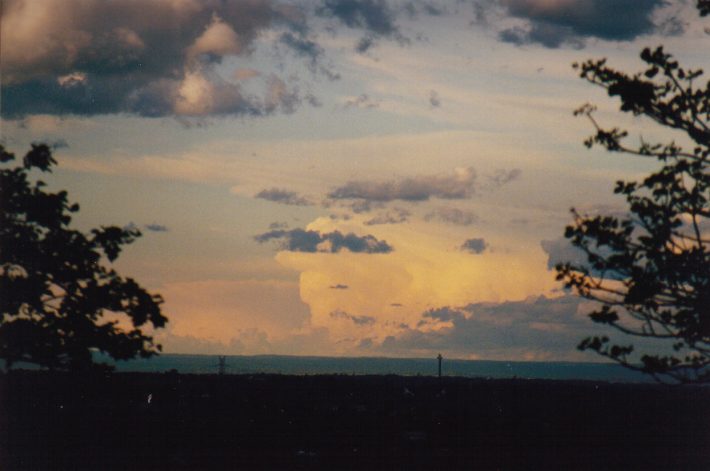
(339, 177)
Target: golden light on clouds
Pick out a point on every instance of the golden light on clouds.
(426, 270)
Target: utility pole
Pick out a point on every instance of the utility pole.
(439, 358)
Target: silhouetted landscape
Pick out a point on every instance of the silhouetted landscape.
(179, 421)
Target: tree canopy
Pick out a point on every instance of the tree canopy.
(60, 300)
(649, 269)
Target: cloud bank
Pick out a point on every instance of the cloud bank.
(535, 329)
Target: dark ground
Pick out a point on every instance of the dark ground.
(55, 421)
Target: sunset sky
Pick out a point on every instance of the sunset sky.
(338, 177)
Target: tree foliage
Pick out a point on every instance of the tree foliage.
(59, 298)
(649, 269)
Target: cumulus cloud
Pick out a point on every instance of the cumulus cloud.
(300, 240)
(458, 185)
(455, 216)
(278, 195)
(150, 59)
(357, 320)
(475, 246)
(554, 23)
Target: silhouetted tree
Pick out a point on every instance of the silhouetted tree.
(59, 299)
(649, 270)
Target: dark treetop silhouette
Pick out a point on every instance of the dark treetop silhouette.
(59, 299)
(649, 270)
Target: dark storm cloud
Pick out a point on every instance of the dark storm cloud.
(459, 185)
(455, 216)
(537, 325)
(143, 58)
(156, 227)
(357, 320)
(300, 240)
(283, 196)
(556, 23)
(475, 246)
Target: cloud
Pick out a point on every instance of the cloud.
(459, 185)
(396, 216)
(339, 286)
(149, 59)
(357, 320)
(455, 216)
(554, 23)
(362, 101)
(308, 48)
(374, 17)
(502, 177)
(222, 310)
(283, 196)
(561, 250)
(299, 240)
(278, 225)
(536, 328)
(476, 246)
(434, 99)
(443, 314)
(156, 227)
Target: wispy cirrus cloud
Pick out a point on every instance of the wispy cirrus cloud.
(300, 240)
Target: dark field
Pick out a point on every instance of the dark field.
(52, 421)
